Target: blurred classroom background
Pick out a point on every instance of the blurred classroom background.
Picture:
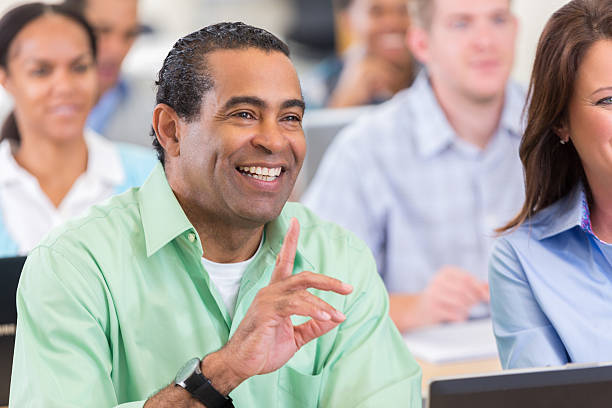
(307, 25)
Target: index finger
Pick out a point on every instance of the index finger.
(286, 256)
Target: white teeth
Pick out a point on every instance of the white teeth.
(262, 173)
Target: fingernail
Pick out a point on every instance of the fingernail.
(324, 316)
(339, 315)
(347, 286)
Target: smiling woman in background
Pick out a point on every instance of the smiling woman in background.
(551, 275)
(51, 169)
(376, 66)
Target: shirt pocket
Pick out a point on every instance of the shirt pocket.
(296, 389)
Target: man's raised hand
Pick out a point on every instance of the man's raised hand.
(266, 338)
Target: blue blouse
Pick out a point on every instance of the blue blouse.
(551, 289)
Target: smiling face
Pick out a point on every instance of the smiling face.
(590, 113)
(381, 26)
(239, 160)
(51, 76)
(469, 47)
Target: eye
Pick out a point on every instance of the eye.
(244, 115)
(80, 68)
(459, 24)
(500, 19)
(41, 71)
(605, 101)
(131, 35)
(292, 118)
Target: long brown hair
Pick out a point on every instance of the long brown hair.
(553, 169)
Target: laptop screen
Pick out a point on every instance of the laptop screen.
(569, 386)
(10, 270)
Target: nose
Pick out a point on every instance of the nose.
(64, 82)
(269, 137)
(483, 36)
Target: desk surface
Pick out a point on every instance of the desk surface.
(431, 371)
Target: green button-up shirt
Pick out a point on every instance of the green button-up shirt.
(111, 305)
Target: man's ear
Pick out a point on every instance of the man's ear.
(417, 40)
(166, 127)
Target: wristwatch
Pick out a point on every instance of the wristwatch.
(190, 377)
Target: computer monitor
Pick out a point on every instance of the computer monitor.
(561, 387)
(10, 270)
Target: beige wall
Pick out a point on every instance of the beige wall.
(532, 15)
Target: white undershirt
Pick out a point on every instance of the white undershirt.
(227, 276)
(28, 213)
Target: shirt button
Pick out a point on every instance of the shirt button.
(191, 237)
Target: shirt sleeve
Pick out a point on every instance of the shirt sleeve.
(525, 336)
(369, 365)
(62, 356)
(345, 191)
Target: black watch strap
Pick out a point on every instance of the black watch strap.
(210, 397)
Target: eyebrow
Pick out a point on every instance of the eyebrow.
(292, 103)
(604, 88)
(249, 100)
(260, 103)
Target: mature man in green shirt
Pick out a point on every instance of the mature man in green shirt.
(206, 260)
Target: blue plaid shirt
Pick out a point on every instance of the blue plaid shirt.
(420, 196)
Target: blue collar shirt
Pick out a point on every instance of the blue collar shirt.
(551, 286)
(421, 197)
(107, 105)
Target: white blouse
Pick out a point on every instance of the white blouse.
(29, 214)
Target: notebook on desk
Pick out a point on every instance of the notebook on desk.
(559, 387)
(453, 342)
(10, 270)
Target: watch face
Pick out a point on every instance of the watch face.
(187, 370)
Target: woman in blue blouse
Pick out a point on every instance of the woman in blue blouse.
(52, 169)
(551, 274)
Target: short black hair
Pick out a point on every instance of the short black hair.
(11, 25)
(184, 77)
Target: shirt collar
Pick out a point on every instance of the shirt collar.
(103, 161)
(164, 220)
(569, 212)
(107, 105)
(433, 131)
(10, 171)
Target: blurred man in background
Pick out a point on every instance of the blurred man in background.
(124, 109)
(426, 178)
